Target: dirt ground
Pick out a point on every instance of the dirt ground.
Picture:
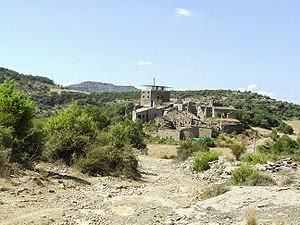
(166, 194)
(159, 150)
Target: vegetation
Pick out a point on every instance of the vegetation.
(251, 218)
(259, 158)
(237, 149)
(188, 148)
(253, 109)
(209, 142)
(108, 160)
(162, 141)
(127, 133)
(285, 128)
(68, 133)
(243, 175)
(213, 190)
(17, 130)
(202, 160)
(76, 135)
(247, 175)
(283, 146)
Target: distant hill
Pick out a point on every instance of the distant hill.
(99, 87)
(34, 85)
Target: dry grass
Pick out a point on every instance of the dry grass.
(225, 152)
(213, 191)
(251, 217)
(162, 151)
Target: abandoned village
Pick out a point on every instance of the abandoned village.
(182, 120)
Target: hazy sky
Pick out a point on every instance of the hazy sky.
(186, 44)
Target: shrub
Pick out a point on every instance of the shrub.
(4, 158)
(283, 146)
(209, 142)
(108, 160)
(96, 113)
(243, 175)
(254, 159)
(16, 116)
(213, 191)
(16, 109)
(223, 141)
(274, 135)
(202, 160)
(188, 148)
(237, 149)
(6, 136)
(285, 128)
(68, 133)
(127, 133)
(261, 180)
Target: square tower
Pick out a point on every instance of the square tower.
(152, 94)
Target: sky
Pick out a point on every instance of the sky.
(186, 44)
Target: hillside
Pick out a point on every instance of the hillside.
(33, 85)
(99, 87)
(253, 109)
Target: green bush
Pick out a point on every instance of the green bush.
(6, 136)
(274, 135)
(108, 160)
(98, 117)
(224, 141)
(285, 128)
(16, 127)
(243, 175)
(237, 149)
(4, 157)
(282, 147)
(202, 159)
(127, 133)
(209, 142)
(68, 133)
(188, 148)
(259, 158)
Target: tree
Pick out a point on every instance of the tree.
(68, 133)
(237, 149)
(16, 116)
(97, 115)
(127, 133)
(285, 128)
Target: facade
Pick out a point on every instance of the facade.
(146, 114)
(210, 111)
(152, 94)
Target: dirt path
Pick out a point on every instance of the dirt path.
(167, 194)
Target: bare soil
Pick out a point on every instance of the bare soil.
(166, 194)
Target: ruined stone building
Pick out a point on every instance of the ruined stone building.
(154, 94)
(210, 111)
(183, 120)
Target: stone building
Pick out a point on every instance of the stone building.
(147, 114)
(209, 111)
(153, 94)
